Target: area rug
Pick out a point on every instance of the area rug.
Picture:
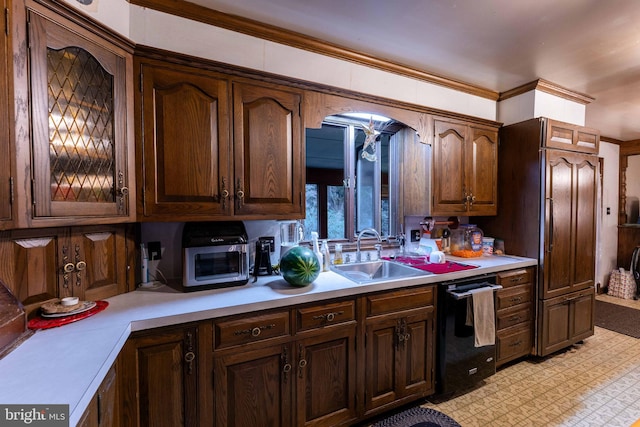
(618, 318)
(418, 417)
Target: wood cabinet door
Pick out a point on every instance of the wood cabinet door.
(160, 378)
(268, 155)
(81, 166)
(103, 408)
(399, 357)
(184, 161)
(414, 186)
(449, 169)
(30, 266)
(254, 387)
(326, 378)
(415, 372)
(570, 217)
(99, 256)
(5, 123)
(565, 320)
(482, 171)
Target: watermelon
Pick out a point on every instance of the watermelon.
(300, 266)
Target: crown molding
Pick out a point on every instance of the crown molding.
(548, 87)
(275, 34)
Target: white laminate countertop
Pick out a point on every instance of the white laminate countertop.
(66, 365)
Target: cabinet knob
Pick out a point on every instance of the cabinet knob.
(68, 267)
(123, 191)
(81, 265)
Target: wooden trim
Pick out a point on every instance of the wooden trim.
(548, 87)
(275, 34)
(85, 21)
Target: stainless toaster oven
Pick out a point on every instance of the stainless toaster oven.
(215, 255)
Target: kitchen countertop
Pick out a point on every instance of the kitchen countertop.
(66, 365)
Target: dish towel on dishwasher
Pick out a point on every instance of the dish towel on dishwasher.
(484, 322)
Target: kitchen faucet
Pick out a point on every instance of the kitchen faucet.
(366, 230)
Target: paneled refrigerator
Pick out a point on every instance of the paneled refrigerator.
(548, 175)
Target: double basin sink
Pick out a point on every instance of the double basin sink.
(376, 271)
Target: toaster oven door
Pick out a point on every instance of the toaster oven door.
(209, 265)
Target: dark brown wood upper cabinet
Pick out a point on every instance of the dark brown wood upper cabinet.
(79, 97)
(5, 124)
(217, 146)
(465, 169)
(185, 143)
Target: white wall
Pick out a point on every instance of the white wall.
(536, 103)
(607, 239)
(157, 29)
(112, 13)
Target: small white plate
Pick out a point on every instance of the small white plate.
(86, 305)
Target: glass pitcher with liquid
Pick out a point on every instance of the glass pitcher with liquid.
(291, 234)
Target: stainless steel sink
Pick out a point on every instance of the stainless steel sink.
(376, 271)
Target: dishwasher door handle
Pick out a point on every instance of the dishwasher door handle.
(461, 295)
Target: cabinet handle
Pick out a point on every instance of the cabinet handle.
(515, 343)
(302, 363)
(516, 299)
(121, 192)
(224, 193)
(80, 265)
(286, 368)
(550, 247)
(515, 318)
(68, 267)
(255, 331)
(189, 357)
(239, 194)
(329, 317)
(517, 279)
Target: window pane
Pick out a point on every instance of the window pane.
(335, 212)
(311, 222)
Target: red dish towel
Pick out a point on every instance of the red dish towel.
(447, 267)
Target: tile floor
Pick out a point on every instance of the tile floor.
(596, 383)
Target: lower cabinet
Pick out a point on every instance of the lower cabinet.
(321, 364)
(306, 377)
(514, 315)
(399, 347)
(159, 371)
(565, 320)
(103, 408)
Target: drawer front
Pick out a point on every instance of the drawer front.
(515, 277)
(514, 344)
(508, 318)
(399, 300)
(510, 297)
(324, 315)
(236, 331)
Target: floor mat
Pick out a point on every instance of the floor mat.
(418, 417)
(618, 318)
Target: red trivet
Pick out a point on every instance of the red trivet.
(40, 322)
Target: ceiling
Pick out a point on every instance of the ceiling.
(587, 46)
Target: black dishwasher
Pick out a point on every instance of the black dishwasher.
(460, 364)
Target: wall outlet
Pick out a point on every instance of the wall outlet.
(415, 235)
(154, 251)
(270, 240)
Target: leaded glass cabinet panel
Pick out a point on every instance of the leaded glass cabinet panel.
(78, 103)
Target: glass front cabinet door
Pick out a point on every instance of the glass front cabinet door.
(79, 122)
